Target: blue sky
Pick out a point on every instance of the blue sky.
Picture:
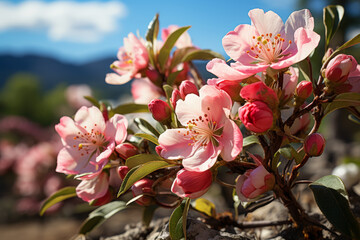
(80, 31)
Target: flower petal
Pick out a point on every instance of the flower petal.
(202, 159)
(231, 140)
(219, 68)
(268, 22)
(174, 144)
(113, 78)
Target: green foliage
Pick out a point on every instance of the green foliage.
(140, 172)
(247, 141)
(342, 101)
(332, 199)
(61, 195)
(332, 16)
(177, 222)
(139, 159)
(146, 127)
(99, 215)
(130, 108)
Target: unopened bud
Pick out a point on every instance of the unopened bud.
(339, 68)
(143, 186)
(154, 76)
(186, 87)
(126, 150)
(122, 171)
(314, 144)
(304, 89)
(102, 200)
(175, 96)
(232, 88)
(160, 110)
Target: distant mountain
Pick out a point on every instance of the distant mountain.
(51, 72)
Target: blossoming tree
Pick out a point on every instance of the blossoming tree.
(203, 126)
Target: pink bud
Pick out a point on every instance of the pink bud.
(186, 87)
(102, 200)
(191, 184)
(122, 171)
(314, 144)
(160, 110)
(153, 75)
(260, 92)
(339, 68)
(232, 88)
(256, 116)
(126, 150)
(175, 96)
(254, 183)
(304, 89)
(140, 187)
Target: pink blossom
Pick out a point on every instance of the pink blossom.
(191, 184)
(254, 183)
(270, 43)
(126, 150)
(223, 71)
(175, 96)
(208, 131)
(88, 141)
(91, 189)
(256, 116)
(260, 92)
(339, 68)
(133, 57)
(143, 91)
(183, 41)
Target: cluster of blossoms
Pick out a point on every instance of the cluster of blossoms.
(202, 127)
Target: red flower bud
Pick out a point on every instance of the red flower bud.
(122, 171)
(314, 144)
(232, 88)
(186, 87)
(160, 110)
(140, 187)
(102, 200)
(304, 89)
(339, 68)
(175, 96)
(256, 116)
(126, 150)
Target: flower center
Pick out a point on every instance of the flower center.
(90, 141)
(268, 48)
(202, 130)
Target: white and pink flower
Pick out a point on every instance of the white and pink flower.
(267, 42)
(132, 58)
(208, 132)
(88, 141)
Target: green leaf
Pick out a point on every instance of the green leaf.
(168, 45)
(176, 222)
(172, 76)
(130, 108)
(354, 119)
(205, 206)
(355, 40)
(201, 54)
(153, 29)
(250, 140)
(148, 214)
(332, 199)
(305, 69)
(139, 159)
(140, 172)
(179, 55)
(330, 15)
(61, 195)
(146, 127)
(99, 215)
(93, 101)
(342, 101)
(148, 137)
(287, 152)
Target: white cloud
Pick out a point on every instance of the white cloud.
(64, 20)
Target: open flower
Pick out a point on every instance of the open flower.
(88, 141)
(133, 57)
(208, 131)
(270, 43)
(91, 189)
